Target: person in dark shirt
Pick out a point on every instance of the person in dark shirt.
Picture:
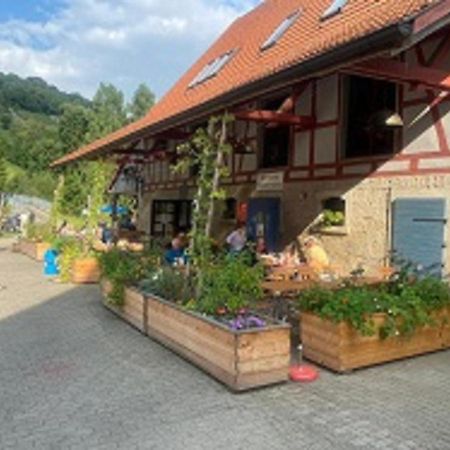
(175, 254)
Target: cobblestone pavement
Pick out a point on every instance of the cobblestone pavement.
(72, 376)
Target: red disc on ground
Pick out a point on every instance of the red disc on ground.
(303, 374)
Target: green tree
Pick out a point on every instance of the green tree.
(3, 183)
(108, 112)
(73, 126)
(143, 101)
(74, 191)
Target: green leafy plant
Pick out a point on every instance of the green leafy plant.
(169, 284)
(69, 250)
(406, 304)
(230, 286)
(205, 152)
(332, 218)
(39, 232)
(123, 269)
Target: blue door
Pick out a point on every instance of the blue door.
(264, 221)
(418, 232)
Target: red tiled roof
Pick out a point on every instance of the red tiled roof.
(307, 38)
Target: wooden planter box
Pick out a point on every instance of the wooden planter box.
(133, 309)
(35, 250)
(341, 348)
(241, 360)
(86, 271)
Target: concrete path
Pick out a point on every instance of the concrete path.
(72, 376)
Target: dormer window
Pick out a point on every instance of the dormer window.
(281, 30)
(335, 8)
(212, 69)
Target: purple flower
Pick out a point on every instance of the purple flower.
(243, 323)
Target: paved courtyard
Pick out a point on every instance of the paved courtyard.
(72, 376)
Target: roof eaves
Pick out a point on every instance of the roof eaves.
(390, 37)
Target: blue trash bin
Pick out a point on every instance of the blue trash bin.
(51, 266)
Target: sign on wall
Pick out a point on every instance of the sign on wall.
(270, 182)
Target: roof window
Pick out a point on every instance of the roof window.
(335, 8)
(281, 30)
(212, 69)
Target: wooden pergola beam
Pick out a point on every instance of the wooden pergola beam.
(401, 72)
(271, 117)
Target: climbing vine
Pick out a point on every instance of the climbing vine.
(206, 153)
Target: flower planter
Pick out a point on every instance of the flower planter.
(341, 348)
(133, 308)
(240, 359)
(86, 271)
(35, 250)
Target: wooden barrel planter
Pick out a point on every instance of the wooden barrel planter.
(35, 250)
(133, 308)
(86, 271)
(242, 360)
(342, 348)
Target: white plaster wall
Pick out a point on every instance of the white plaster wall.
(327, 98)
(249, 162)
(419, 133)
(302, 143)
(325, 145)
(303, 104)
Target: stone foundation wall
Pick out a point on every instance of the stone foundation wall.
(366, 237)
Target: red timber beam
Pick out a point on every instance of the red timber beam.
(271, 117)
(401, 72)
(432, 16)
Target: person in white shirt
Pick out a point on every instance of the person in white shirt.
(237, 239)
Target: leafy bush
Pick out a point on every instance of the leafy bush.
(230, 285)
(121, 269)
(39, 232)
(408, 305)
(169, 284)
(333, 218)
(69, 249)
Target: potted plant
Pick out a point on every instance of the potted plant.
(85, 266)
(121, 270)
(358, 326)
(203, 311)
(218, 331)
(36, 241)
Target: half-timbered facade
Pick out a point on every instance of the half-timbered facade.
(358, 122)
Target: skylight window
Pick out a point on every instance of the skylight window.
(281, 30)
(335, 8)
(212, 69)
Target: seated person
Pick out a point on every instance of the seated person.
(175, 252)
(316, 256)
(237, 239)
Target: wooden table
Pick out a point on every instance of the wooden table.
(292, 286)
(284, 286)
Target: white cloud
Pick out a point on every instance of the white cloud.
(124, 42)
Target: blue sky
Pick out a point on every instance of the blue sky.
(76, 44)
(29, 9)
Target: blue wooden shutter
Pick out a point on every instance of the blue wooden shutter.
(418, 232)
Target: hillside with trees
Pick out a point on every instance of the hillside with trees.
(39, 123)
